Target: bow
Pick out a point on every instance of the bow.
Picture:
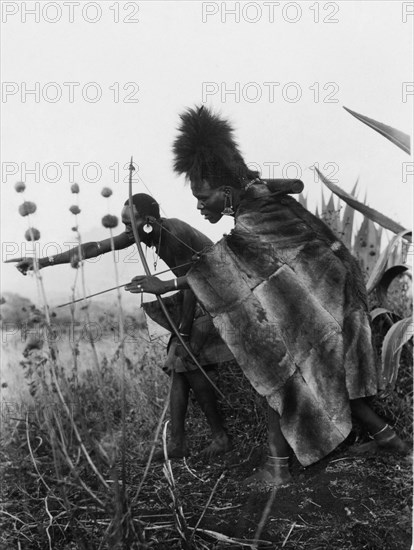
(159, 299)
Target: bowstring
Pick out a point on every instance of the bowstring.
(177, 238)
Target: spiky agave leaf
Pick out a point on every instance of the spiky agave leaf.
(382, 262)
(348, 221)
(330, 215)
(400, 139)
(374, 245)
(361, 237)
(379, 230)
(369, 212)
(303, 201)
(398, 335)
(367, 245)
(323, 206)
(335, 217)
(331, 207)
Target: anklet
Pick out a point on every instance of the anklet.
(278, 457)
(380, 431)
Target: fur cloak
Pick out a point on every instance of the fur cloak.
(289, 301)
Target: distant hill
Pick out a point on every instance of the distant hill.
(17, 310)
(59, 279)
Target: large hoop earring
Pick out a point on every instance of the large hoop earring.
(148, 227)
(228, 205)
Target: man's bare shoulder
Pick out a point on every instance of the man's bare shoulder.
(187, 232)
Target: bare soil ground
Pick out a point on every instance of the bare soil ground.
(345, 501)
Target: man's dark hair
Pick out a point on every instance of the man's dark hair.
(145, 205)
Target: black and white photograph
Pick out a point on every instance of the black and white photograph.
(206, 275)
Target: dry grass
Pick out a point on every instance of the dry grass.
(342, 502)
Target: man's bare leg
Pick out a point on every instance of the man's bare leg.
(275, 471)
(206, 398)
(177, 445)
(384, 437)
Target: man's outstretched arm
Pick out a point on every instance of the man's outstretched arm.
(74, 255)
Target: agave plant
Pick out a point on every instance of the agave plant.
(400, 139)
(381, 270)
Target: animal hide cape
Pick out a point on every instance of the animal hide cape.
(289, 300)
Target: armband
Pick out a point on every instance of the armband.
(51, 260)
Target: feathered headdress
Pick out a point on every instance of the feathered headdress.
(205, 150)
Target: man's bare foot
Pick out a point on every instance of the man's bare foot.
(220, 444)
(174, 451)
(274, 473)
(388, 440)
(368, 448)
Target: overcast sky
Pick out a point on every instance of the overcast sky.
(88, 84)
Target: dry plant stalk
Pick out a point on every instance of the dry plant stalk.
(179, 517)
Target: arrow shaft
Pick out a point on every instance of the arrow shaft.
(114, 288)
